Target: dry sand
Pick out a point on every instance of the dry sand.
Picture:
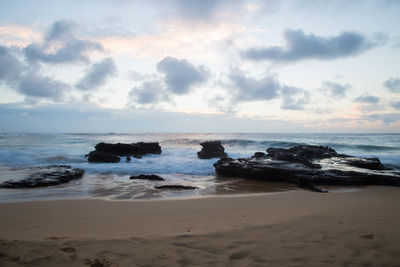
(288, 229)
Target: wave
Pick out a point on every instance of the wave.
(286, 144)
(232, 142)
(264, 144)
(367, 148)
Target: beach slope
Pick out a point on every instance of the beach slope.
(299, 228)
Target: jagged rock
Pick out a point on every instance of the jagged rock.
(152, 177)
(176, 186)
(44, 176)
(97, 156)
(106, 152)
(211, 149)
(367, 163)
(308, 166)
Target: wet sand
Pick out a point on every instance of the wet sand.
(298, 228)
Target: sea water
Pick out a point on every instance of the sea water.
(178, 163)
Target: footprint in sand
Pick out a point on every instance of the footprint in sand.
(98, 262)
(55, 237)
(71, 252)
(239, 255)
(367, 236)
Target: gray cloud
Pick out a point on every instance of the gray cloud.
(180, 75)
(197, 8)
(249, 89)
(34, 85)
(294, 98)
(10, 66)
(19, 77)
(203, 9)
(61, 30)
(386, 118)
(367, 99)
(150, 92)
(334, 89)
(393, 84)
(309, 46)
(71, 49)
(395, 105)
(97, 75)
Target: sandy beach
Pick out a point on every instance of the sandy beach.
(298, 228)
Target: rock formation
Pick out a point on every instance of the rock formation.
(308, 166)
(151, 177)
(111, 153)
(44, 176)
(211, 149)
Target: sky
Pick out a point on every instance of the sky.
(200, 66)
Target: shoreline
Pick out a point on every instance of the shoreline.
(172, 198)
(332, 190)
(297, 228)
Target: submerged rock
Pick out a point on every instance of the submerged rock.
(44, 176)
(111, 153)
(176, 186)
(151, 177)
(308, 166)
(211, 149)
(97, 156)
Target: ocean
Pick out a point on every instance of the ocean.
(178, 162)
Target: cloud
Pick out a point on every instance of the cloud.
(180, 75)
(310, 46)
(174, 37)
(70, 118)
(61, 46)
(335, 90)
(150, 92)
(367, 99)
(137, 76)
(10, 66)
(294, 98)
(250, 89)
(393, 84)
(386, 118)
(197, 8)
(205, 10)
(19, 77)
(395, 105)
(34, 85)
(18, 35)
(61, 30)
(97, 75)
(267, 88)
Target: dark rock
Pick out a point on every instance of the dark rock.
(133, 149)
(44, 176)
(97, 156)
(308, 166)
(367, 163)
(152, 177)
(259, 154)
(176, 186)
(302, 153)
(309, 185)
(211, 149)
(128, 159)
(106, 152)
